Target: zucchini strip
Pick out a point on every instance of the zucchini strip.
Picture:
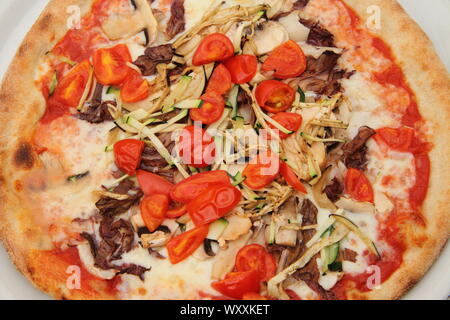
(274, 285)
(354, 228)
(316, 139)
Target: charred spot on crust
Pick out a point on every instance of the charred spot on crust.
(23, 158)
(45, 22)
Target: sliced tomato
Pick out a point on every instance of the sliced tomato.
(261, 171)
(236, 284)
(399, 139)
(214, 47)
(289, 120)
(134, 88)
(287, 61)
(220, 80)
(358, 186)
(291, 178)
(110, 64)
(192, 187)
(128, 155)
(211, 110)
(176, 210)
(182, 246)
(72, 86)
(213, 203)
(242, 68)
(253, 296)
(196, 147)
(292, 295)
(255, 257)
(151, 183)
(274, 96)
(153, 210)
(418, 192)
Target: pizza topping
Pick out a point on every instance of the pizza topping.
(153, 56)
(287, 61)
(176, 22)
(122, 198)
(182, 246)
(318, 36)
(211, 109)
(98, 112)
(274, 96)
(242, 68)
(152, 184)
(334, 190)
(358, 186)
(128, 154)
(214, 47)
(300, 4)
(196, 147)
(355, 150)
(261, 171)
(153, 210)
(110, 64)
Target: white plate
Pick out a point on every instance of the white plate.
(16, 18)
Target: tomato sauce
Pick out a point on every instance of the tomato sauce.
(389, 230)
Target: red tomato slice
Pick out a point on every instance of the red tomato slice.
(253, 296)
(192, 187)
(176, 210)
(182, 246)
(288, 61)
(289, 120)
(236, 284)
(110, 64)
(261, 171)
(213, 204)
(211, 110)
(71, 87)
(153, 210)
(358, 186)
(255, 257)
(220, 80)
(274, 96)
(242, 68)
(292, 295)
(151, 183)
(399, 139)
(291, 178)
(128, 154)
(214, 47)
(419, 191)
(135, 88)
(197, 147)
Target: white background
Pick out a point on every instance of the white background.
(16, 18)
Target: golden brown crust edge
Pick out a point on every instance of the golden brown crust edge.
(430, 81)
(21, 107)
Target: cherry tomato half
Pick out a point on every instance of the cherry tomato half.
(134, 88)
(197, 147)
(288, 61)
(182, 246)
(213, 204)
(253, 296)
(291, 178)
(192, 187)
(237, 284)
(255, 257)
(358, 186)
(289, 120)
(220, 80)
(399, 139)
(153, 210)
(261, 171)
(151, 183)
(211, 110)
(274, 96)
(110, 64)
(71, 87)
(214, 47)
(128, 154)
(242, 68)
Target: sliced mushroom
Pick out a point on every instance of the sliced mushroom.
(319, 196)
(123, 26)
(288, 211)
(150, 22)
(355, 206)
(269, 37)
(275, 6)
(319, 153)
(155, 239)
(297, 31)
(84, 251)
(224, 260)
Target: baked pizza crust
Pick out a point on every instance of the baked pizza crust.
(22, 105)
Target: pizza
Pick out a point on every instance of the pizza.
(238, 149)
